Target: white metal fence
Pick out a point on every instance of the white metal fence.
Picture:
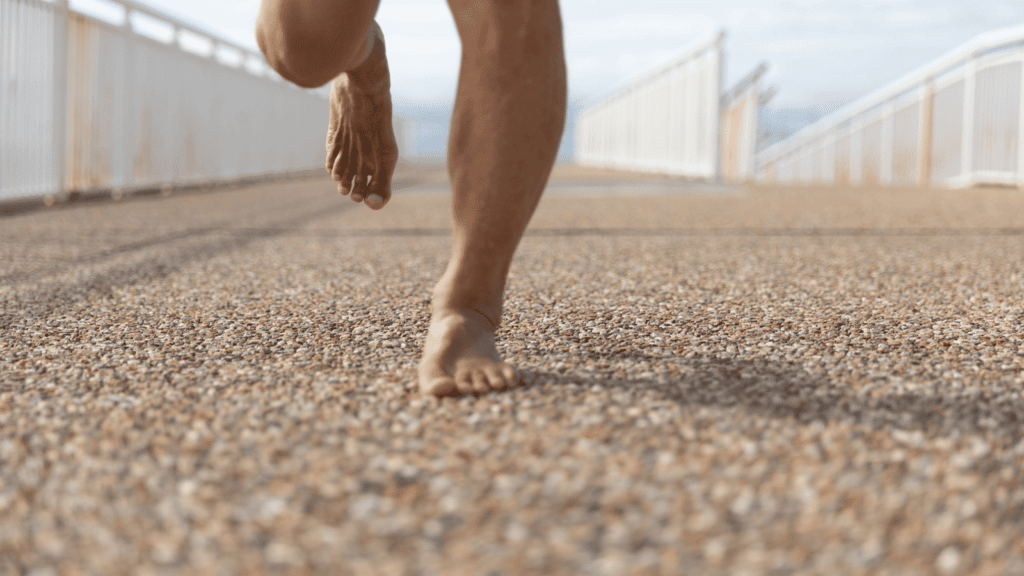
(668, 121)
(741, 127)
(956, 122)
(150, 102)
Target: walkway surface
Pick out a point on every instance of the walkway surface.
(719, 381)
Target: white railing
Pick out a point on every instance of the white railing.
(955, 122)
(146, 102)
(668, 121)
(741, 127)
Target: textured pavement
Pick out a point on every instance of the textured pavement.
(720, 380)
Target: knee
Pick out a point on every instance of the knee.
(292, 54)
(309, 56)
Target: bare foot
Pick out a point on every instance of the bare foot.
(361, 147)
(460, 356)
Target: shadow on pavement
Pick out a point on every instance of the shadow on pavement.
(777, 390)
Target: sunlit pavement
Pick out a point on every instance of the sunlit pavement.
(719, 380)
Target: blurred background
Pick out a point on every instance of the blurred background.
(769, 69)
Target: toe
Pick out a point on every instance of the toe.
(496, 379)
(464, 382)
(481, 383)
(345, 184)
(336, 167)
(358, 188)
(511, 376)
(359, 185)
(376, 201)
(339, 163)
(440, 387)
(380, 185)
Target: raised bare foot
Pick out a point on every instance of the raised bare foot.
(460, 356)
(361, 147)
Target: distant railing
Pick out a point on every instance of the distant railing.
(956, 122)
(741, 127)
(149, 102)
(668, 121)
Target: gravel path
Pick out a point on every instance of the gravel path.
(720, 381)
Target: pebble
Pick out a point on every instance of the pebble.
(770, 381)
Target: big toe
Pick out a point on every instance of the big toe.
(375, 201)
(439, 386)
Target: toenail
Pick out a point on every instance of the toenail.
(357, 197)
(375, 198)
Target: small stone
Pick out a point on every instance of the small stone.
(948, 560)
(282, 553)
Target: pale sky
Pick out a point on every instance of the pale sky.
(819, 50)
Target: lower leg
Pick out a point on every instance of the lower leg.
(507, 125)
(310, 42)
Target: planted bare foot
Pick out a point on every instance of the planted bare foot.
(460, 356)
(361, 147)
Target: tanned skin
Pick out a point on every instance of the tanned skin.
(506, 128)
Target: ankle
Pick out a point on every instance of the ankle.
(372, 76)
(445, 302)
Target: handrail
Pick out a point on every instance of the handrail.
(745, 83)
(691, 51)
(62, 132)
(177, 25)
(681, 135)
(974, 48)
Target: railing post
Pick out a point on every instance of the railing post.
(130, 115)
(719, 86)
(926, 121)
(857, 151)
(60, 94)
(806, 165)
(1020, 130)
(887, 149)
(967, 152)
(828, 158)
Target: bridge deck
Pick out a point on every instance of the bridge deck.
(719, 379)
